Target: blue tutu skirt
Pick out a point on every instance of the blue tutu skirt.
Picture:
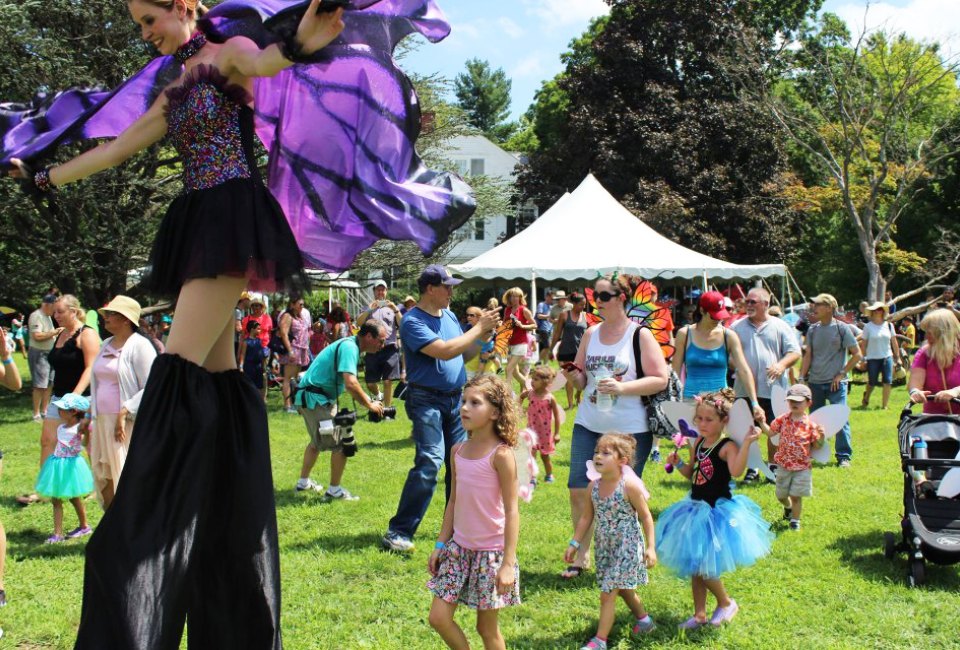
(65, 478)
(694, 538)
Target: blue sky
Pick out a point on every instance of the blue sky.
(526, 37)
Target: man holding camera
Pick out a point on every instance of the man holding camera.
(383, 365)
(434, 346)
(331, 372)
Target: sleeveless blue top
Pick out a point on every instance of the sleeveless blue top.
(706, 370)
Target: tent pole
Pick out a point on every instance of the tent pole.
(704, 280)
(533, 289)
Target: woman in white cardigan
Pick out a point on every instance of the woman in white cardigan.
(120, 373)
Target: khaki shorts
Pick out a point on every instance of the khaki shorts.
(796, 483)
(327, 438)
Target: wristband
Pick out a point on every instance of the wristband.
(574, 543)
(680, 463)
(913, 391)
(42, 180)
(440, 545)
(7, 361)
(754, 403)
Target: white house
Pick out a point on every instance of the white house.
(475, 155)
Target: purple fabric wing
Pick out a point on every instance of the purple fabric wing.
(340, 129)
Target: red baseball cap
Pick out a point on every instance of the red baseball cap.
(712, 303)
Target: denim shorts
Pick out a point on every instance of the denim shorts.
(584, 442)
(877, 368)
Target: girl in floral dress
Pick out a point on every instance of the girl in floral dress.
(623, 551)
(543, 415)
(475, 559)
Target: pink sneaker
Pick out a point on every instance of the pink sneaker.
(692, 623)
(723, 615)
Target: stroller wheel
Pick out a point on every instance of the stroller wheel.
(917, 573)
(889, 545)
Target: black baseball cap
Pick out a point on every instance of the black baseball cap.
(436, 274)
(49, 299)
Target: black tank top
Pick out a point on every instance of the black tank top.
(711, 475)
(68, 366)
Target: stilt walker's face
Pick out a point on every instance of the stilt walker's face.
(166, 28)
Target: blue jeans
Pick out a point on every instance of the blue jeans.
(822, 393)
(582, 444)
(436, 428)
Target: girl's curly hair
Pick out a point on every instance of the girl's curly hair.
(544, 372)
(721, 401)
(625, 446)
(498, 393)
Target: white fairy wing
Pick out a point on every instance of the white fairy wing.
(950, 484)
(559, 382)
(526, 463)
(741, 422)
(778, 400)
(831, 417)
(676, 411)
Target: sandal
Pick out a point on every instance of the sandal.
(27, 499)
(571, 572)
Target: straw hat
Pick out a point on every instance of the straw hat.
(879, 305)
(125, 306)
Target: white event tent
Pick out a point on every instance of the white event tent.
(588, 231)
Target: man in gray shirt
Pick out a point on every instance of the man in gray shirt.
(826, 364)
(770, 348)
(42, 337)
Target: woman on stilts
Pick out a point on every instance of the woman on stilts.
(191, 535)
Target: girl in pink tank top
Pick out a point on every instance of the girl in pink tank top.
(475, 560)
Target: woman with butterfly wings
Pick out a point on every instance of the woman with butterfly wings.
(606, 369)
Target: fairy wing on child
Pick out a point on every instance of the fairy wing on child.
(741, 422)
(526, 463)
(830, 417)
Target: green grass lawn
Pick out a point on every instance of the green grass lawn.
(827, 586)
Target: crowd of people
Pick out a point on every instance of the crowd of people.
(87, 393)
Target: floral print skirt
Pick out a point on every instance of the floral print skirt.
(469, 578)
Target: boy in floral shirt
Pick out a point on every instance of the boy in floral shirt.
(798, 436)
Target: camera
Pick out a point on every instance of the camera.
(345, 418)
(388, 412)
(348, 444)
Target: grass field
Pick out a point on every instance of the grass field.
(827, 586)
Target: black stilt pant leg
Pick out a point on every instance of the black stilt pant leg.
(234, 600)
(140, 560)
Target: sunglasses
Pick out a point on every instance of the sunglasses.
(604, 296)
(754, 302)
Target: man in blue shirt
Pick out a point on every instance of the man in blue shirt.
(330, 373)
(433, 349)
(544, 325)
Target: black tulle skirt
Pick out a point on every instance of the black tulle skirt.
(236, 228)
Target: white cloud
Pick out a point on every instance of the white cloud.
(510, 28)
(556, 13)
(930, 20)
(530, 66)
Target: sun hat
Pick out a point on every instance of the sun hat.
(825, 299)
(409, 299)
(799, 393)
(559, 293)
(257, 299)
(879, 305)
(712, 303)
(72, 402)
(125, 306)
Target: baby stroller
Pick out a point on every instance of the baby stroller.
(930, 527)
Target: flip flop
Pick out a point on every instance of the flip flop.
(571, 572)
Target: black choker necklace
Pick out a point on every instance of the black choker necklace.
(191, 47)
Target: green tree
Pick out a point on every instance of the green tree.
(651, 104)
(86, 236)
(485, 96)
(871, 117)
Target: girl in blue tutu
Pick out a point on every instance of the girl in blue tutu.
(711, 532)
(66, 474)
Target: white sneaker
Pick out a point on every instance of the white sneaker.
(309, 485)
(340, 495)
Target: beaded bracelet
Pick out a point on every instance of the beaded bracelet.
(42, 180)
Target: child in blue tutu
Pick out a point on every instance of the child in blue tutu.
(711, 532)
(618, 505)
(66, 474)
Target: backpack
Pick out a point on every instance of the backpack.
(657, 422)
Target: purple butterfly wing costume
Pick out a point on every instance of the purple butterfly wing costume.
(340, 129)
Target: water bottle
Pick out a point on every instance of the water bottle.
(604, 400)
(919, 453)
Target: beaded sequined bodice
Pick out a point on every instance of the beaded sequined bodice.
(210, 125)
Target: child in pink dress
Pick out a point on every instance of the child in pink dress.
(543, 415)
(475, 559)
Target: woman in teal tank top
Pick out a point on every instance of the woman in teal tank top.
(705, 350)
